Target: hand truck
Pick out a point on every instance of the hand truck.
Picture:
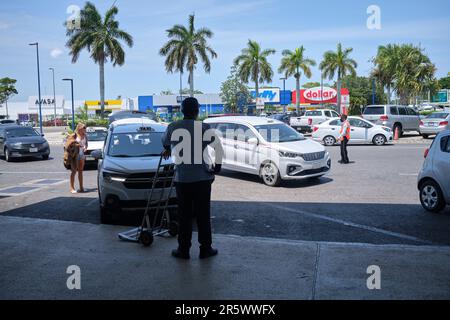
(159, 217)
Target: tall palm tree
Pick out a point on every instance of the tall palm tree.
(252, 64)
(184, 46)
(386, 63)
(338, 62)
(292, 63)
(102, 38)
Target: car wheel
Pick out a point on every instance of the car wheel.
(425, 136)
(431, 196)
(329, 141)
(7, 155)
(270, 174)
(379, 140)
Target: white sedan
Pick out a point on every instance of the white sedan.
(361, 132)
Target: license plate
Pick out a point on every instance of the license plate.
(432, 124)
(33, 149)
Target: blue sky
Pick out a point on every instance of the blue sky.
(319, 26)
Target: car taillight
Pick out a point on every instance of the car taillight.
(315, 129)
(421, 123)
(384, 118)
(425, 154)
(309, 121)
(443, 123)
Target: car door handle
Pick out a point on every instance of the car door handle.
(352, 129)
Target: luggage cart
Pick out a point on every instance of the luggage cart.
(158, 217)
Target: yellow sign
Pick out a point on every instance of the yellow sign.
(109, 104)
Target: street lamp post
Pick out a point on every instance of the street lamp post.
(39, 84)
(73, 110)
(284, 92)
(54, 93)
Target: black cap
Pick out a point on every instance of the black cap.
(190, 107)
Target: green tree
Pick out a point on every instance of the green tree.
(184, 48)
(188, 91)
(7, 90)
(338, 62)
(234, 92)
(252, 65)
(444, 83)
(292, 64)
(386, 62)
(101, 37)
(360, 89)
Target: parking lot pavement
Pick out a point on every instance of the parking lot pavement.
(36, 254)
(373, 200)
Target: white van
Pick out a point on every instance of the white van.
(269, 148)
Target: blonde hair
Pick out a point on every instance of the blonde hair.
(80, 126)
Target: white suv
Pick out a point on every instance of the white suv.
(269, 148)
(127, 166)
(433, 181)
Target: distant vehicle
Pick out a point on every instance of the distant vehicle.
(435, 123)
(20, 142)
(361, 132)
(126, 114)
(283, 117)
(27, 123)
(311, 118)
(7, 121)
(433, 181)
(127, 166)
(270, 149)
(96, 137)
(394, 117)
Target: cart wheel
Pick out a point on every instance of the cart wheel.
(173, 228)
(146, 238)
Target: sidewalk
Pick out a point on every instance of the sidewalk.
(34, 256)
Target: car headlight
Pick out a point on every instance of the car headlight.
(110, 177)
(386, 129)
(285, 154)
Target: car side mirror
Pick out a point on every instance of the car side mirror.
(253, 141)
(97, 154)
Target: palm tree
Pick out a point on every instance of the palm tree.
(338, 62)
(252, 64)
(102, 38)
(184, 46)
(386, 63)
(292, 63)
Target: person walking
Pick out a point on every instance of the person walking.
(344, 137)
(71, 152)
(193, 177)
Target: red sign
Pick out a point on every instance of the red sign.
(317, 95)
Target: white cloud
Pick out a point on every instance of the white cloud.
(55, 53)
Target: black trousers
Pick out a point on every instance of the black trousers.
(344, 154)
(194, 201)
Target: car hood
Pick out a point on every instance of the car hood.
(132, 165)
(303, 146)
(33, 139)
(95, 145)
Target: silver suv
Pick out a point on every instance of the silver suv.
(433, 181)
(395, 117)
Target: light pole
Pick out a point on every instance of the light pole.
(39, 84)
(321, 90)
(54, 94)
(284, 93)
(73, 110)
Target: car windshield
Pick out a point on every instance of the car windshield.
(136, 144)
(278, 133)
(439, 115)
(374, 110)
(21, 132)
(96, 135)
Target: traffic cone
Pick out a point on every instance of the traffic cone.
(396, 133)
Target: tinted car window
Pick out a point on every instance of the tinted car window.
(445, 144)
(335, 122)
(21, 132)
(278, 133)
(97, 135)
(393, 110)
(374, 110)
(335, 114)
(357, 123)
(327, 114)
(438, 115)
(141, 144)
(402, 111)
(411, 112)
(243, 133)
(313, 113)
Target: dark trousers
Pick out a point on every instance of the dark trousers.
(194, 201)
(344, 154)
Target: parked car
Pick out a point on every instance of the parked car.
(311, 118)
(7, 121)
(127, 167)
(283, 117)
(361, 132)
(20, 142)
(434, 123)
(433, 181)
(270, 149)
(394, 117)
(96, 140)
